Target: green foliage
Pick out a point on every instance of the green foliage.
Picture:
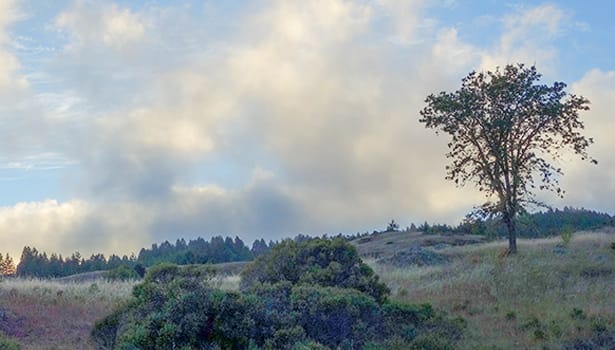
(566, 235)
(535, 327)
(336, 317)
(577, 314)
(432, 341)
(105, 330)
(598, 323)
(176, 307)
(8, 344)
(323, 262)
(121, 273)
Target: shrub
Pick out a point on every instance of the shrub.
(432, 341)
(577, 314)
(566, 235)
(7, 344)
(121, 273)
(334, 301)
(323, 262)
(333, 316)
(140, 270)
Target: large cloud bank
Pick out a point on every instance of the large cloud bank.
(262, 120)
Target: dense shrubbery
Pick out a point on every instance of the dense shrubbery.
(309, 295)
(122, 273)
(323, 262)
(7, 344)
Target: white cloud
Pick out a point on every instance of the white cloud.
(40, 224)
(528, 37)
(406, 18)
(588, 185)
(9, 65)
(108, 24)
(8, 14)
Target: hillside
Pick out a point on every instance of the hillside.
(388, 243)
(546, 296)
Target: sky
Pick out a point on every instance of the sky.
(132, 122)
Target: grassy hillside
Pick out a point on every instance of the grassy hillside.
(387, 243)
(544, 296)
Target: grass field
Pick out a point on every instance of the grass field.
(543, 297)
(43, 314)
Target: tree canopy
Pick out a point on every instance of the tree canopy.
(508, 133)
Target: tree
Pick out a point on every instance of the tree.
(507, 133)
(392, 226)
(7, 266)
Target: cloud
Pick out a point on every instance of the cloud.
(528, 37)
(406, 19)
(46, 224)
(292, 117)
(9, 65)
(587, 185)
(258, 209)
(25, 131)
(105, 24)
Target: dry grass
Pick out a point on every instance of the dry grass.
(60, 314)
(43, 314)
(388, 243)
(533, 299)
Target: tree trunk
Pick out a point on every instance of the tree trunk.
(512, 233)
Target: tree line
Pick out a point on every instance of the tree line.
(218, 249)
(34, 263)
(529, 225)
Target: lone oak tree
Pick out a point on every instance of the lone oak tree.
(507, 131)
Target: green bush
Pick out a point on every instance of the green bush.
(336, 317)
(318, 307)
(432, 341)
(566, 234)
(323, 262)
(7, 344)
(121, 273)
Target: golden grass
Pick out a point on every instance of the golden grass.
(522, 301)
(47, 314)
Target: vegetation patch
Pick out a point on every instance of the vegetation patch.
(8, 344)
(599, 341)
(315, 294)
(323, 262)
(416, 256)
(531, 300)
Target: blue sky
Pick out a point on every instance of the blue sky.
(130, 122)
